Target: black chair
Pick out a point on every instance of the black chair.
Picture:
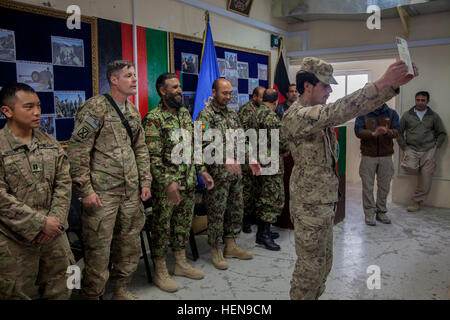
(199, 210)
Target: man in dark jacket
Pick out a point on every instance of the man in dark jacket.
(423, 132)
(377, 130)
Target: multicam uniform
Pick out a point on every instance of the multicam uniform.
(170, 224)
(34, 184)
(270, 200)
(224, 202)
(104, 160)
(314, 183)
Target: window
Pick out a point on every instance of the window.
(348, 82)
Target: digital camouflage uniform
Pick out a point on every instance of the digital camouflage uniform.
(247, 117)
(170, 224)
(34, 184)
(224, 202)
(104, 160)
(270, 200)
(314, 182)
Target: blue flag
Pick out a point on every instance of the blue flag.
(209, 71)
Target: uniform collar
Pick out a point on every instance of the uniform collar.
(302, 102)
(16, 143)
(216, 108)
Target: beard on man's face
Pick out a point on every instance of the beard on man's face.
(174, 101)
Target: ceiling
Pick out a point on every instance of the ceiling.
(295, 11)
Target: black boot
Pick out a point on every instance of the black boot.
(264, 237)
(274, 235)
(246, 225)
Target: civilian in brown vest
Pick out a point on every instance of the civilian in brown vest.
(377, 130)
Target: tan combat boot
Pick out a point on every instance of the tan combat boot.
(182, 268)
(121, 293)
(217, 258)
(162, 278)
(383, 218)
(233, 251)
(414, 207)
(370, 220)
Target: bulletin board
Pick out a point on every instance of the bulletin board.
(245, 68)
(37, 48)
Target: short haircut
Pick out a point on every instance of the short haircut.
(302, 77)
(161, 81)
(215, 85)
(256, 90)
(270, 96)
(291, 85)
(115, 66)
(423, 93)
(8, 93)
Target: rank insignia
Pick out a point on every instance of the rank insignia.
(35, 167)
(83, 132)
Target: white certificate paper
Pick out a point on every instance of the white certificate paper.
(404, 53)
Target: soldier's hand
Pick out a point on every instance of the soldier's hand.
(232, 166)
(207, 179)
(173, 194)
(256, 168)
(52, 226)
(395, 76)
(146, 194)
(42, 238)
(92, 201)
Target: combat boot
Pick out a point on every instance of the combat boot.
(233, 251)
(162, 278)
(217, 258)
(370, 220)
(414, 207)
(182, 268)
(383, 218)
(121, 293)
(264, 237)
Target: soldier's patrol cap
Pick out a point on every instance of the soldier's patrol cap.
(321, 69)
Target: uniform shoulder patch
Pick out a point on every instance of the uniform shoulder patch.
(92, 122)
(83, 132)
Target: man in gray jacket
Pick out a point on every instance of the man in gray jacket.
(422, 133)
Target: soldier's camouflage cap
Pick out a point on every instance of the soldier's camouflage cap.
(322, 70)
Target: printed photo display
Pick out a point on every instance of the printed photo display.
(67, 103)
(189, 63)
(7, 46)
(67, 52)
(38, 75)
(48, 125)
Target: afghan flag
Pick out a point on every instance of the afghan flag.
(115, 42)
(281, 82)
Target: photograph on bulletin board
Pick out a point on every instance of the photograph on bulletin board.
(243, 70)
(48, 125)
(189, 63)
(38, 75)
(67, 103)
(188, 100)
(252, 84)
(222, 66)
(262, 72)
(231, 59)
(232, 76)
(67, 52)
(7, 46)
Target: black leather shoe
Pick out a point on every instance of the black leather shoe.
(274, 235)
(263, 236)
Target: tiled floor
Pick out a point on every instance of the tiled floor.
(412, 254)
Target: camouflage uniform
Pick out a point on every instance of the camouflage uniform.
(170, 223)
(247, 117)
(224, 202)
(270, 200)
(314, 182)
(34, 184)
(105, 161)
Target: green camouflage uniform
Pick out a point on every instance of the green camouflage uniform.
(270, 200)
(34, 184)
(170, 224)
(224, 202)
(247, 117)
(104, 160)
(314, 182)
